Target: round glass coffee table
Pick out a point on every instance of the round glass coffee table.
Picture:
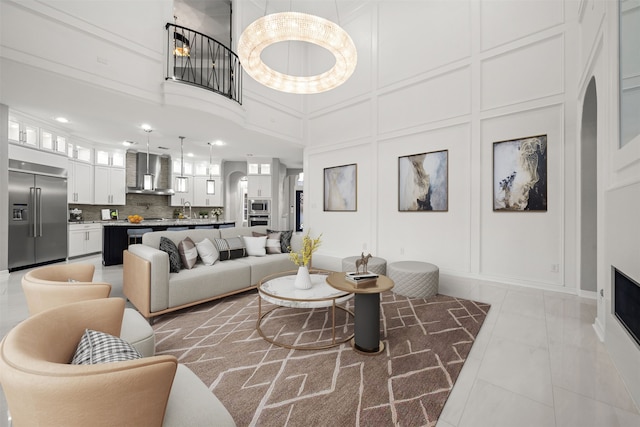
(279, 289)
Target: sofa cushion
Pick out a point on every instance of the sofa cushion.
(167, 245)
(256, 246)
(230, 248)
(207, 251)
(285, 239)
(273, 245)
(99, 347)
(188, 253)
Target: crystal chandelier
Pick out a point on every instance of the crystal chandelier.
(295, 26)
(182, 182)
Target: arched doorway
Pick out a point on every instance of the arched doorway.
(589, 190)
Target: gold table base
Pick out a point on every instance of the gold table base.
(333, 343)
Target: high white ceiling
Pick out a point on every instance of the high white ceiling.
(110, 117)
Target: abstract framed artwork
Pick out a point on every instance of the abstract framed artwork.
(341, 188)
(520, 174)
(423, 182)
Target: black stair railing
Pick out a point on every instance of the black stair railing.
(199, 60)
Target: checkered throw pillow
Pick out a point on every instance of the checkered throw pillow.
(99, 347)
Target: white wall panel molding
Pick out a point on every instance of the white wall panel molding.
(294, 108)
(406, 238)
(137, 39)
(532, 72)
(443, 97)
(332, 148)
(347, 123)
(590, 65)
(12, 58)
(361, 28)
(264, 117)
(582, 7)
(536, 104)
(390, 137)
(508, 21)
(627, 157)
(439, 31)
(525, 246)
(590, 30)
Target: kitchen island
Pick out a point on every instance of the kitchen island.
(115, 238)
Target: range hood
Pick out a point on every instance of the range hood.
(159, 167)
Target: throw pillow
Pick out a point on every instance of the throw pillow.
(207, 251)
(100, 347)
(230, 248)
(273, 243)
(167, 245)
(285, 239)
(255, 245)
(188, 253)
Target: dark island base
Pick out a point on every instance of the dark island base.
(115, 239)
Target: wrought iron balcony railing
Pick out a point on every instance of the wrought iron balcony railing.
(199, 60)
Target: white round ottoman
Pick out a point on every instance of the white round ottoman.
(414, 279)
(374, 265)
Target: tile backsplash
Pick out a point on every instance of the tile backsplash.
(147, 206)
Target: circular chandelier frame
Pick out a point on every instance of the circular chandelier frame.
(296, 26)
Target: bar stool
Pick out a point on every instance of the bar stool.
(205, 227)
(135, 234)
(177, 228)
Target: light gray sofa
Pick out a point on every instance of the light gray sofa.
(153, 290)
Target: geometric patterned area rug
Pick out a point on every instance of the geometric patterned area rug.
(426, 344)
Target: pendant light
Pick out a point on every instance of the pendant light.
(147, 183)
(182, 182)
(211, 183)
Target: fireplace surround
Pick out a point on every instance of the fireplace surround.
(626, 303)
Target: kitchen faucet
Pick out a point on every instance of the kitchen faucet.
(184, 207)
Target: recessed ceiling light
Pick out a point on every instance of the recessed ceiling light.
(62, 120)
(145, 126)
(217, 143)
(128, 143)
(189, 154)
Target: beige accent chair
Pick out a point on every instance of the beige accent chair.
(42, 388)
(54, 285)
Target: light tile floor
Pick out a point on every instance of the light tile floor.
(536, 362)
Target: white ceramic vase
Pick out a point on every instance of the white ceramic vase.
(303, 279)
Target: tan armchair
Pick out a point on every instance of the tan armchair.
(54, 285)
(42, 388)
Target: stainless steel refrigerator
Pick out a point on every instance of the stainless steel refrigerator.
(38, 214)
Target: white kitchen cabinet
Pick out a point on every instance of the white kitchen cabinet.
(259, 167)
(114, 158)
(110, 186)
(80, 183)
(79, 152)
(258, 186)
(50, 141)
(200, 196)
(179, 199)
(23, 133)
(84, 239)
